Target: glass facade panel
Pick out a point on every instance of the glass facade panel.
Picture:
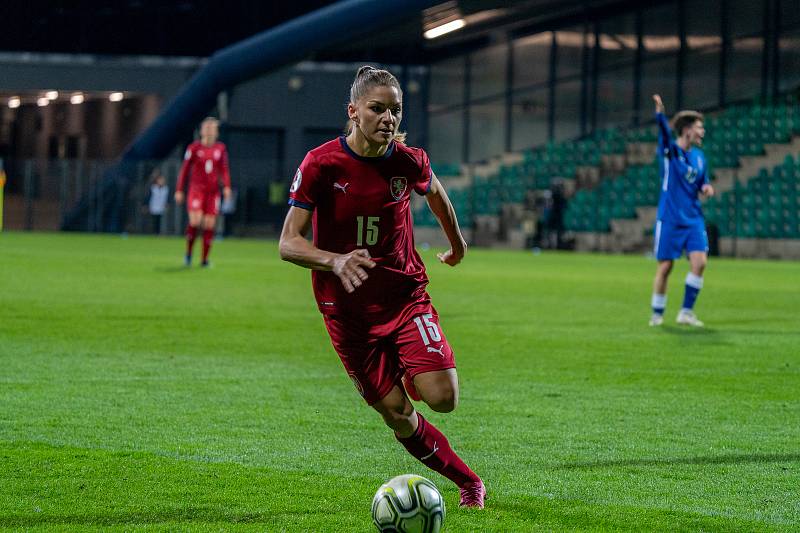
(615, 97)
(568, 110)
(529, 119)
(701, 79)
(660, 31)
(445, 137)
(744, 68)
(746, 17)
(569, 52)
(487, 129)
(658, 77)
(532, 59)
(618, 42)
(488, 72)
(790, 13)
(614, 89)
(447, 84)
(703, 31)
(789, 45)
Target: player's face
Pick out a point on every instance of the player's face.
(209, 131)
(696, 133)
(378, 113)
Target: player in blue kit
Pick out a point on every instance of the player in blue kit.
(680, 224)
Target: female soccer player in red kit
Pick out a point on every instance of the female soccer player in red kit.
(369, 281)
(206, 164)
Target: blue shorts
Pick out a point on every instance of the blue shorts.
(671, 240)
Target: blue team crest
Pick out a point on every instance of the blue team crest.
(397, 186)
(691, 174)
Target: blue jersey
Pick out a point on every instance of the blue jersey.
(683, 174)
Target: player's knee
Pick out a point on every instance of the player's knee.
(443, 401)
(397, 419)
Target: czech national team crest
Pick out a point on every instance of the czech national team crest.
(298, 178)
(397, 186)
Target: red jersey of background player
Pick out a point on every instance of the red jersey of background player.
(365, 203)
(206, 166)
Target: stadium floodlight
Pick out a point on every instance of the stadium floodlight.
(441, 19)
(116, 97)
(447, 27)
(76, 98)
(43, 101)
(51, 95)
(14, 102)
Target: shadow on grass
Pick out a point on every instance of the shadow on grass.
(173, 269)
(706, 460)
(688, 331)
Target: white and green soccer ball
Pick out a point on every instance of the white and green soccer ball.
(408, 504)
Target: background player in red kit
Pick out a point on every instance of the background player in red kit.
(369, 281)
(206, 164)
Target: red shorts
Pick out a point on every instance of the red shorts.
(376, 355)
(202, 201)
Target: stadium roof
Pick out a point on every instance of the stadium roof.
(200, 27)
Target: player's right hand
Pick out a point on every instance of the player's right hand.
(659, 103)
(179, 197)
(350, 268)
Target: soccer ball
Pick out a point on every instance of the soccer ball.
(408, 504)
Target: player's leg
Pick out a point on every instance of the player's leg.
(438, 389)
(658, 302)
(424, 441)
(428, 361)
(694, 282)
(195, 219)
(667, 247)
(210, 212)
(697, 249)
(209, 223)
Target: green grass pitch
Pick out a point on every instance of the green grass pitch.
(138, 395)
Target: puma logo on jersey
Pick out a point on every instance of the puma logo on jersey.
(439, 350)
(343, 188)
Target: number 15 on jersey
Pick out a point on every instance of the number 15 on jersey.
(367, 231)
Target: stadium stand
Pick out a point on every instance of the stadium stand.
(613, 181)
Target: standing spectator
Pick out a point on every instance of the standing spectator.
(157, 198)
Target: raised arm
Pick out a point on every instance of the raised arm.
(664, 131)
(296, 248)
(443, 211)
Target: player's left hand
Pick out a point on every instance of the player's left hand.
(226, 193)
(707, 190)
(453, 257)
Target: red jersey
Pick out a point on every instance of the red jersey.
(206, 166)
(363, 202)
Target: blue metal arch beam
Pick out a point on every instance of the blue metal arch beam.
(255, 56)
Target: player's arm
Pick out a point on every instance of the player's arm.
(226, 175)
(296, 248)
(664, 131)
(706, 188)
(444, 212)
(187, 162)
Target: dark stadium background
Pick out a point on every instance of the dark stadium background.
(529, 99)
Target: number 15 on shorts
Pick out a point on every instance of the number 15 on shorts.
(428, 330)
